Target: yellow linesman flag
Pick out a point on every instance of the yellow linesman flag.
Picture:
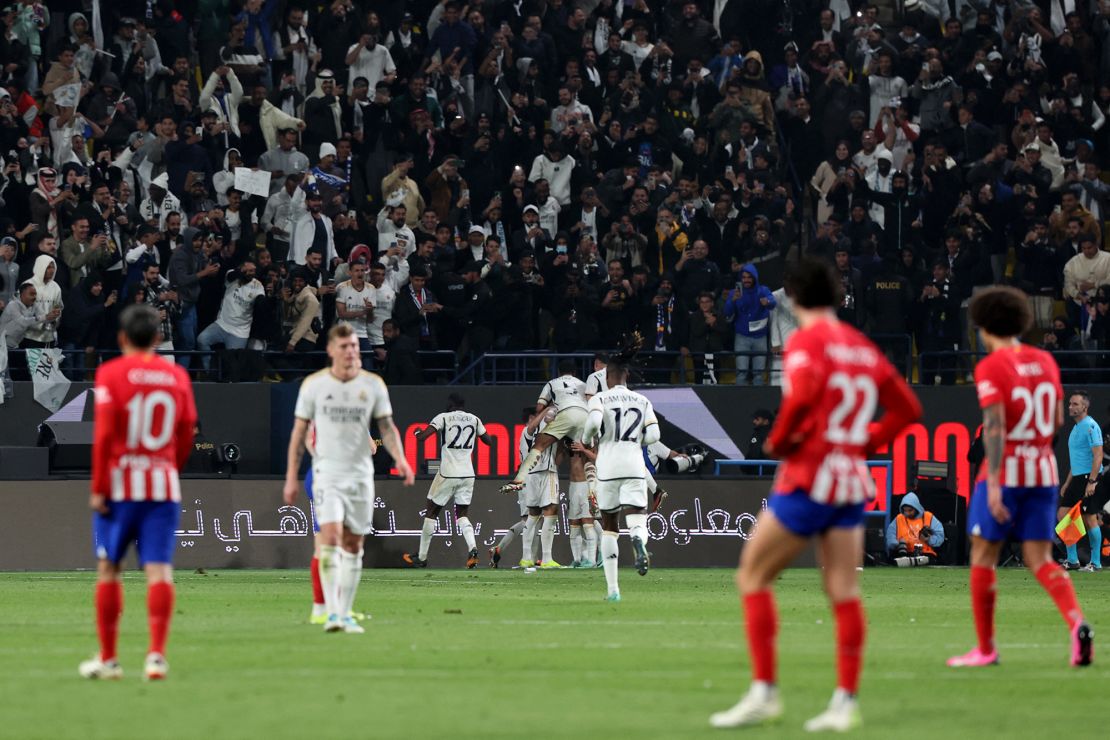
(1071, 528)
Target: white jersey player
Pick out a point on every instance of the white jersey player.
(459, 432)
(567, 394)
(342, 401)
(585, 530)
(623, 421)
(596, 381)
(541, 499)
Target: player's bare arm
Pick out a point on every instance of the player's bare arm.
(293, 461)
(391, 440)
(537, 417)
(587, 452)
(1096, 470)
(994, 442)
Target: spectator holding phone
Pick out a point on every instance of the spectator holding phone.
(749, 307)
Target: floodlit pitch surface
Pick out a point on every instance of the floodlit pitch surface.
(508, 654)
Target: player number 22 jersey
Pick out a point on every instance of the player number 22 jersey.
(459, 432)
(1026, 381)
(834, 380)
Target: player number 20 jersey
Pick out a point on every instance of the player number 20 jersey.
(627, 422)
(1026, 381)
(459, 432)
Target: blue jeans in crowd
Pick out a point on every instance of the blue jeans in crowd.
(186, 339)
(757, 363)
(213, 335)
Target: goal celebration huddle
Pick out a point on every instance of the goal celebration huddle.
(842, 401)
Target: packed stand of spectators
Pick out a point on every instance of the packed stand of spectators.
(546, 175)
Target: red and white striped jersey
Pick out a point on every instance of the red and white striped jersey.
(834, 381)
(1026, 381)
(143, 428)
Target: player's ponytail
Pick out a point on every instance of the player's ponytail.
(631, 344)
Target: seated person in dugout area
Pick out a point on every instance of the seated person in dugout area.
(914, 533)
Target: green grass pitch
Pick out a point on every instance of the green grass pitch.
(487, 654)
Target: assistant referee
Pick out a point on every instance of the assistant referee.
(1082, 483)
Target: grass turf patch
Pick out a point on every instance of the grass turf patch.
(505, 654)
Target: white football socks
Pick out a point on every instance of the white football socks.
(467, 532)
(637, 526)
(528, 537)
(527, 464)
(547, 537)
(609, 554)
(330, 564)
(589, 549)
(350, 573)
(598, 531)
(576, 542)
(511, 535)
(426, 533)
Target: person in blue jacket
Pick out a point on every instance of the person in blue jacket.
(749, 307)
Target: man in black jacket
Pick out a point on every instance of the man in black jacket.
(401, 363)
(939, 327)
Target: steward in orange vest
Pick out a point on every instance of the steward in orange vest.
(912, 527)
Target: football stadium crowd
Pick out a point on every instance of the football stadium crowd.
(454, 179)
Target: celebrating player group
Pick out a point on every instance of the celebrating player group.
(835, 382)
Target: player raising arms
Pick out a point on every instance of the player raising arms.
(834, 379)
(145, 416)
(459, 430)
(342, 401)
(1015, 494)
(624, 421)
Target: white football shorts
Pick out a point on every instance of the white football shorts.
(348, 501)
(620, 492)
(578, 501)
(541, 489)
(569, 422)
(445, 489)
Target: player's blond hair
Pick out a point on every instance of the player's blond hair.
(340, 331)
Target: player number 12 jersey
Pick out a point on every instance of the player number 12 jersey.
(627, 422)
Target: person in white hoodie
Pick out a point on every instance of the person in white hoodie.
(783, 324)
(48, 304)
(224, 180)
(555, 167)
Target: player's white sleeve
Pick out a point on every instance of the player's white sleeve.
(651, 427)
(437, 422)
(306, 402)
(546, 395)
(481, 427)
(659, 451)
(382, 406)
(592, 388)
(593, 420)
